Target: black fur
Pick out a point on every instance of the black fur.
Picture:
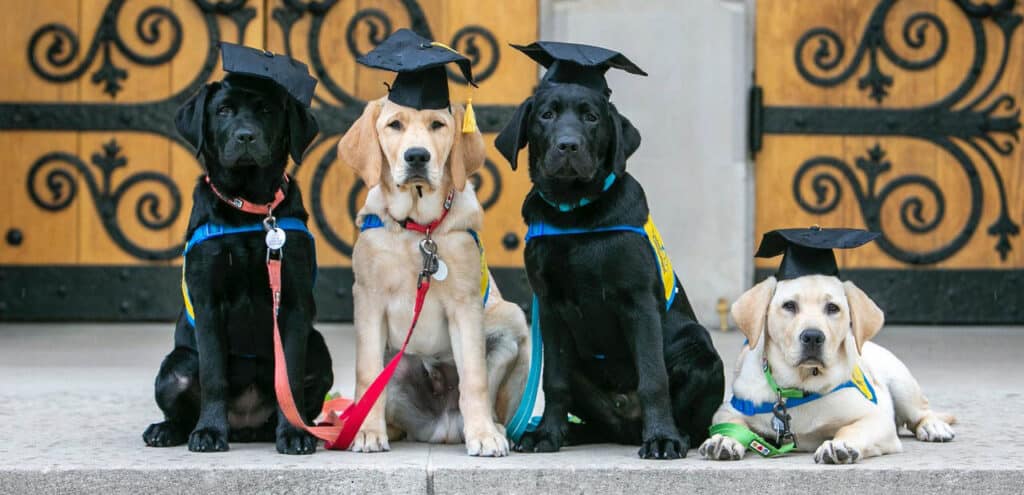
(244, 129)
(660, 379)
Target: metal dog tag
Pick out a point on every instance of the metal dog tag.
(275, 238)
(442, 270)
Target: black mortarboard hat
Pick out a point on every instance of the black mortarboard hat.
(578, 64)
(290, 74)
(422, 81)
(809, 251)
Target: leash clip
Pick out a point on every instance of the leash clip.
(428, 248)
(780, 423)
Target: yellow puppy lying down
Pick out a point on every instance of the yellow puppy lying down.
(844, 425)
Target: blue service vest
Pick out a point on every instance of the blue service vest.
(857, 381)
(374, 222)
(648, 231)
(209, 231)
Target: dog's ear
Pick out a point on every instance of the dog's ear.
(626, 141)
(302, 128)
(866, 317)
(751, 309)
(191, 116)
(467, 153)
(513, 137)
(360, 147)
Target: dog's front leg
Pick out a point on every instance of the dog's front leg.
(870, 436)
(371, 340)
(641, 322)
(295, 330)
(465, 328)
(559, 360)
(211, 431)
(720, 447)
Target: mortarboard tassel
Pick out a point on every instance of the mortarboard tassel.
(469, 119)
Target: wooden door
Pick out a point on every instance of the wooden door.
(96, 183)
(901, 117)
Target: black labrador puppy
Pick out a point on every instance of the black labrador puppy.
(218, 382)
(613, 356)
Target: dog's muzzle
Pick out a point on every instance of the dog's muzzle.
(812, 346)
(416, 161)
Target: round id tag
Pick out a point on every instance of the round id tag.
(442, 270)
(275, 238)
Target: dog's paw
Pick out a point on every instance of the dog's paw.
(490, 442)
(664, 446)
(933, 429)
(543, 439)
(208, 440)
(836, 452)
(368, 440)
(295, 442)
(166, 434)
(722, 448)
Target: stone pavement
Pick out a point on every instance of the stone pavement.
(74, 400)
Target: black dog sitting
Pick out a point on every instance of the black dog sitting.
(622, 348)
(218, 382)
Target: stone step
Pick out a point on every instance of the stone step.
(74, 400)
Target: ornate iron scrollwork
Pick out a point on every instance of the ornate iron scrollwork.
(952, 124)
(64, 46)
(53, 54)
(61, 189)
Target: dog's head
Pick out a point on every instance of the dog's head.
(810, 324)
(245, 122)
(404, 147)
(576, 138)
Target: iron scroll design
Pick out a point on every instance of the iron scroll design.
(984, 125)
(55, 54)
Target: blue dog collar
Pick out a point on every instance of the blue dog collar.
(564, 207)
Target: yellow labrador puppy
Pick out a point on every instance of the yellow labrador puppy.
(410, 159)
(814, 332)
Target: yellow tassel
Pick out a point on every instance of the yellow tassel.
(469, 119)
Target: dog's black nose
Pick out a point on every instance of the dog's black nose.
(812, 337)
(245, 136)
(417, 157)
(568, 144)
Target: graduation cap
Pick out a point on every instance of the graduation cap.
(288, 73)
(422, 81)
(809, 251)
(578, 64)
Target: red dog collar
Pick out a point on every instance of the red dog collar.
(428, 228)
(248, 206)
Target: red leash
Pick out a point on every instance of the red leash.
(340, 436)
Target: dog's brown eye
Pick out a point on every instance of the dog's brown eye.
(789, 306)
(437, 124)
(831, 308)
(266, 109)
(223, 110)
(396, 125)
(589, 117)
(547, 115)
